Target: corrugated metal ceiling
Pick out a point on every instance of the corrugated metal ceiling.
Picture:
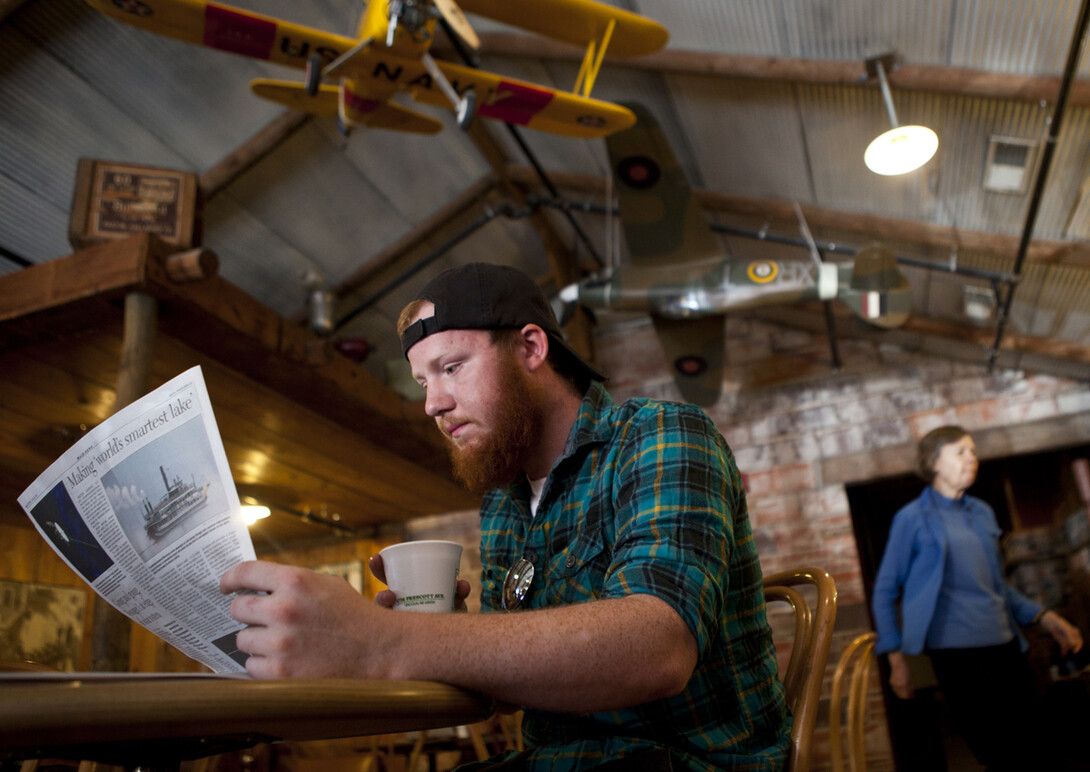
(76, 84)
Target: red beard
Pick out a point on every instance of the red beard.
(496, 459)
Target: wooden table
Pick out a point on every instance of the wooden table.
(159, 721)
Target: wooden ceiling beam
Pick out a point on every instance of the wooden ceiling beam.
(810, 316)
(267, 139)
(437, 220)
(868, 226)
(911, 77)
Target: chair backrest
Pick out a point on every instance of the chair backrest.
(858, 660)
(809, 652)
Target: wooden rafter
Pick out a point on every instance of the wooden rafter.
(969, 337)
(908, 76)
(251, 151)
(440, 218)
(894, 229)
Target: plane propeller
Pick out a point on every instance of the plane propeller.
(458, 23)
(412, 16)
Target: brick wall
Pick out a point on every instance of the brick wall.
(805, 431)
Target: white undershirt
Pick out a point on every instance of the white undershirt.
(536, 486)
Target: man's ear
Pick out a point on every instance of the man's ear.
(535, 346)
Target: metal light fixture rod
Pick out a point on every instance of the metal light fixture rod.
(887, 96)
(1074, 53)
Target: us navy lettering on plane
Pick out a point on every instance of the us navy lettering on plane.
(354, 78)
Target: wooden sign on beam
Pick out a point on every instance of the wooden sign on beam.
(113, 201)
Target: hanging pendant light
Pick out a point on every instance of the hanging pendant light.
(902, 149)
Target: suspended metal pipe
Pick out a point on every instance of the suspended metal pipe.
(548, 183)
(1074, 53)
(795, 241)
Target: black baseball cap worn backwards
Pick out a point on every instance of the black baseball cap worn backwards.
(485, 296)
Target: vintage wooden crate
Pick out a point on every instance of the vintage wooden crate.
(115, 200)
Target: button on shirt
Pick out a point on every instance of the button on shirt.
(646, 498)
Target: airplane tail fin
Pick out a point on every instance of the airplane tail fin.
(878, 292)
(357, 111)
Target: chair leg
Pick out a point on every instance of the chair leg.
(476, 736)
(417, 751)
(857, 707)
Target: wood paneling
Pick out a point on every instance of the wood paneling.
(306, 431)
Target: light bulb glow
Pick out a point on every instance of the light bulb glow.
(251, 513)
(901, 150)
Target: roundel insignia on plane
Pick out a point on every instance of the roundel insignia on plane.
(638, 171)
(762, 271)
(691, 365)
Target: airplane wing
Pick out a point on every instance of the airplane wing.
(696, 353)
(358, 110)
(663, 222)
(228, 29)
(293, 94)
(666, 229)
(514, 101)
(576, 22)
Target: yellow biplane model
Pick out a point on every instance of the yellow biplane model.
(390, 54)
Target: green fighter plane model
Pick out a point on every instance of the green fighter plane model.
(679, 275)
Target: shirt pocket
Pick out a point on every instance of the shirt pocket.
(581, 568)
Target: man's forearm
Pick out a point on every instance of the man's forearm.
(592, 656)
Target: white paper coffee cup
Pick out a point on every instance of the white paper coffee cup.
(422, 574)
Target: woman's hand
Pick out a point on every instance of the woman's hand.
(900, 680)
(1065, 633)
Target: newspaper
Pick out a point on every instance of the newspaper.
(144, 508)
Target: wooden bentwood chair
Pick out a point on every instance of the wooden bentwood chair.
(858, 660)
(809, 652)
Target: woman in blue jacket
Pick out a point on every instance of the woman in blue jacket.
(944, 565)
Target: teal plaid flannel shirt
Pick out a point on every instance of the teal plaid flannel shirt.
(647, 498)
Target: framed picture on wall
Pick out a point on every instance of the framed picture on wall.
(42, 623)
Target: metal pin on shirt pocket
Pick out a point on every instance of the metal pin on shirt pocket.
(517, 583)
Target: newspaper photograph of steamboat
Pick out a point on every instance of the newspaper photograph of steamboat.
(182, 498)
(167, 488)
